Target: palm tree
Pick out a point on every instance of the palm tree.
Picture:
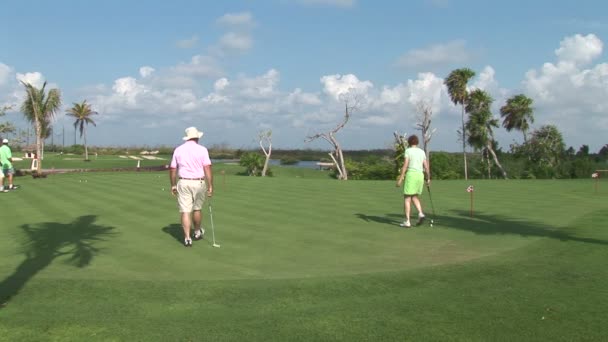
(517, 114)
(82, 112)
(39, 108)
(456, 82)
(480, 124)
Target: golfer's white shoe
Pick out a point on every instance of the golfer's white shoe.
(421, 219)
(405, 224)
(199, 234)
(188, 242)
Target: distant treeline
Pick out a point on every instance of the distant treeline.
(383, 163)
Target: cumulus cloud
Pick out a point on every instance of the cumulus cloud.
(242, 19)
(454, 52)
(566, 92)
(579, 49)
(187, 43)
(34, 78)
(146, 71)
(221, 84)
(299, 97)
(199, 66)
(5, 74)
(569, 94)
(260, 87)
(238, 38)
(337, 86)
(236, 41)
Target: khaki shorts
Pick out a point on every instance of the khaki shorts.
(191, 195)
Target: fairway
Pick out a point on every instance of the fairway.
(99, 256)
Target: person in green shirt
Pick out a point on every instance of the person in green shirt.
(414, 166)
(6, 158)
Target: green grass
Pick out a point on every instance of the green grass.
(98, 257)
(55, 161)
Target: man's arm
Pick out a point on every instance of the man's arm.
(209, 179)
(173, 180)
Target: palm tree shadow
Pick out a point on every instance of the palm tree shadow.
(498, 224)
(390, 219)
(45, 242)
(176, 231)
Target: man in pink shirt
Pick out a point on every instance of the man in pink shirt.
(192, 165)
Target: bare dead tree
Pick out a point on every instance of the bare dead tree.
(424, 115)
(400, 140)
(265, 138)
(336, 155)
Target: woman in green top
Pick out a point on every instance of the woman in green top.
(414, 165)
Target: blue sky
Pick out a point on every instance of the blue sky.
(235, 68)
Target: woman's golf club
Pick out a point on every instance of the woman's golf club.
(212, 227)
(428, 187)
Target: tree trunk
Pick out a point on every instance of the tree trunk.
(341, 175)
(84, 136)
(265, 169)
(464, 146)
(489, 164)
(489, 147)
(341, 165)
(38, 145)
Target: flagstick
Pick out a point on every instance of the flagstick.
(471, 203)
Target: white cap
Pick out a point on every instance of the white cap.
(5, 141)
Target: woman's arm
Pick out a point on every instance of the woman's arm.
(406, 162)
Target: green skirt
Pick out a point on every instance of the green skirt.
(414, 183)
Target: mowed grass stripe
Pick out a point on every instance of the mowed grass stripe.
(535, 284)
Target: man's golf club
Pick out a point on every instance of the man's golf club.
(212, 227)
(428, 187)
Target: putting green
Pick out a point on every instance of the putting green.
(268, 228)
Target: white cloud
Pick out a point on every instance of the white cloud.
(5, 73)
(34, 78)
(579, 49)
(187, 43)
(146, 71)
(427, 88)
(565, 93)
(242, 19)
(199, 66)
(259, 87)
(454, 52)
(239, 41)
(214, 98)
(571, 96)
(298, 97)
(338, 86)
(221, 84)
(485, 80)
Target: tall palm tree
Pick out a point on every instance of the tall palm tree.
(39, 108)
(82, 112)
(456, 82)
(517, 114)
(480, 124)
